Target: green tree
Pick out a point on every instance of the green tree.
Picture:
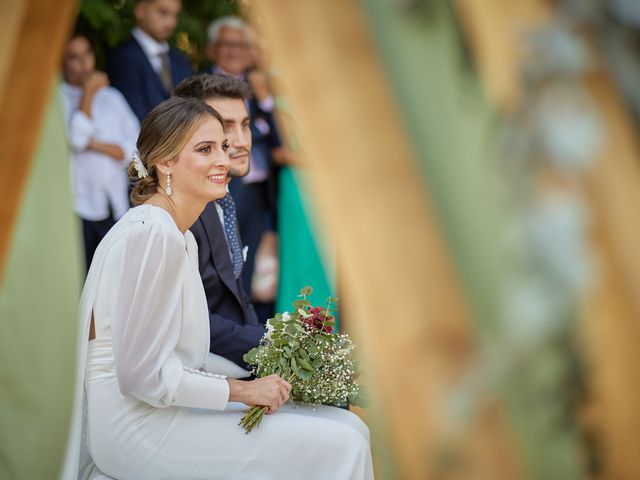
(109, 23)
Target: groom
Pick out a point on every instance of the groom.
(235, 328)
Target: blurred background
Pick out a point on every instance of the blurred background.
(463, 174)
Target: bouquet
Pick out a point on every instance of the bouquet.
(304, 349)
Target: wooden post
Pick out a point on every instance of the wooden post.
(401, 298)
(610, 313)
(33, 33)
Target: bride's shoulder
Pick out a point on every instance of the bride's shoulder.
(148, 222)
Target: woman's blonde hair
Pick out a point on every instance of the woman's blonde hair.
(163, 134)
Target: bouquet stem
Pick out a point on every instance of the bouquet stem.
(252, 417)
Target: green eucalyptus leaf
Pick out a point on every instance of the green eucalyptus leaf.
(305, 364)
(300, 304)
(291, 329)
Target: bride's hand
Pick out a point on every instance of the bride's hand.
(271, 391)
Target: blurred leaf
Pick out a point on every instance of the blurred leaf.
(306, 291)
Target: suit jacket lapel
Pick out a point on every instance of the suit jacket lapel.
(219, 248)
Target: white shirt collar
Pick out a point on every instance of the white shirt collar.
(222, 71)
(150, 46)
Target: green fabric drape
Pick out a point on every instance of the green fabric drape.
(301, 257)
(38, 312)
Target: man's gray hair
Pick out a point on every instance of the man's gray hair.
(213, 31)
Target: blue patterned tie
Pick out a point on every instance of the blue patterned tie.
(231, 231)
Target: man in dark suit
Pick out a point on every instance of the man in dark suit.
(235, 328)
(145, 69)
(229, 50)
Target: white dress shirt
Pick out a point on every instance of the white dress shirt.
(152, 49)
(97, 179)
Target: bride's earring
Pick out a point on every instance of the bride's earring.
(168, 187)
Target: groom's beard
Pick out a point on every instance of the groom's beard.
(239, 163)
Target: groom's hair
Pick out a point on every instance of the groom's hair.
(208, 86)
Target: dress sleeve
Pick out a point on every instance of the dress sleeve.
(146, 322)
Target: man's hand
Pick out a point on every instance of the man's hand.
(259, 84)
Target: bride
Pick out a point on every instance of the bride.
(146, 409)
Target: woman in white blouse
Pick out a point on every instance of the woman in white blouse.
(151, 411)
(102, 131)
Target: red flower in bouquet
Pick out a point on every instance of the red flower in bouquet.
(319, 320)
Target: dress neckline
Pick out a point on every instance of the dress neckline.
(165, 213)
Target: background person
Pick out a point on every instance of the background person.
(102, 131)
(145, 68)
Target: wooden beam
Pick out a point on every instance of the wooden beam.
(611, 310)
(401, 298)
(611, 330)
(33, 33)
(496, 30)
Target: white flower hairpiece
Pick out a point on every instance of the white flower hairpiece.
(139, 166)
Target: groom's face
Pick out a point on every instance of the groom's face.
(237, 130)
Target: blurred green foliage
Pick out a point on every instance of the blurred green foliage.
(108, 23)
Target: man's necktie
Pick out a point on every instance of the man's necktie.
(231, 230)
(165, 72)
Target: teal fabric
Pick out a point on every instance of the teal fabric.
(302, 260)
(38, 309)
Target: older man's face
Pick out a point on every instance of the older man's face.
(230, 52)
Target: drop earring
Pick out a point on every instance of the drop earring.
(168, 187)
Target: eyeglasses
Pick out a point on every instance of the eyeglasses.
(230, 45)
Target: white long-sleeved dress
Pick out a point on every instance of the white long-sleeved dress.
(151, 413)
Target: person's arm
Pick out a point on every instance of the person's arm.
(120, 133)
(147, 322)
(83, 121)
(110, 149)
(232, 340)
(93, 83)
(82, 126)
(230, 337)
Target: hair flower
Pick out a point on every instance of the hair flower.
(139, 166)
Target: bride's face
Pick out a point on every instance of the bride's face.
(202, 165)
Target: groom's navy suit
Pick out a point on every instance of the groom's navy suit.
(235, 328)
(131, 72)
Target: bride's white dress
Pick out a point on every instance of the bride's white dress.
(150, 411)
